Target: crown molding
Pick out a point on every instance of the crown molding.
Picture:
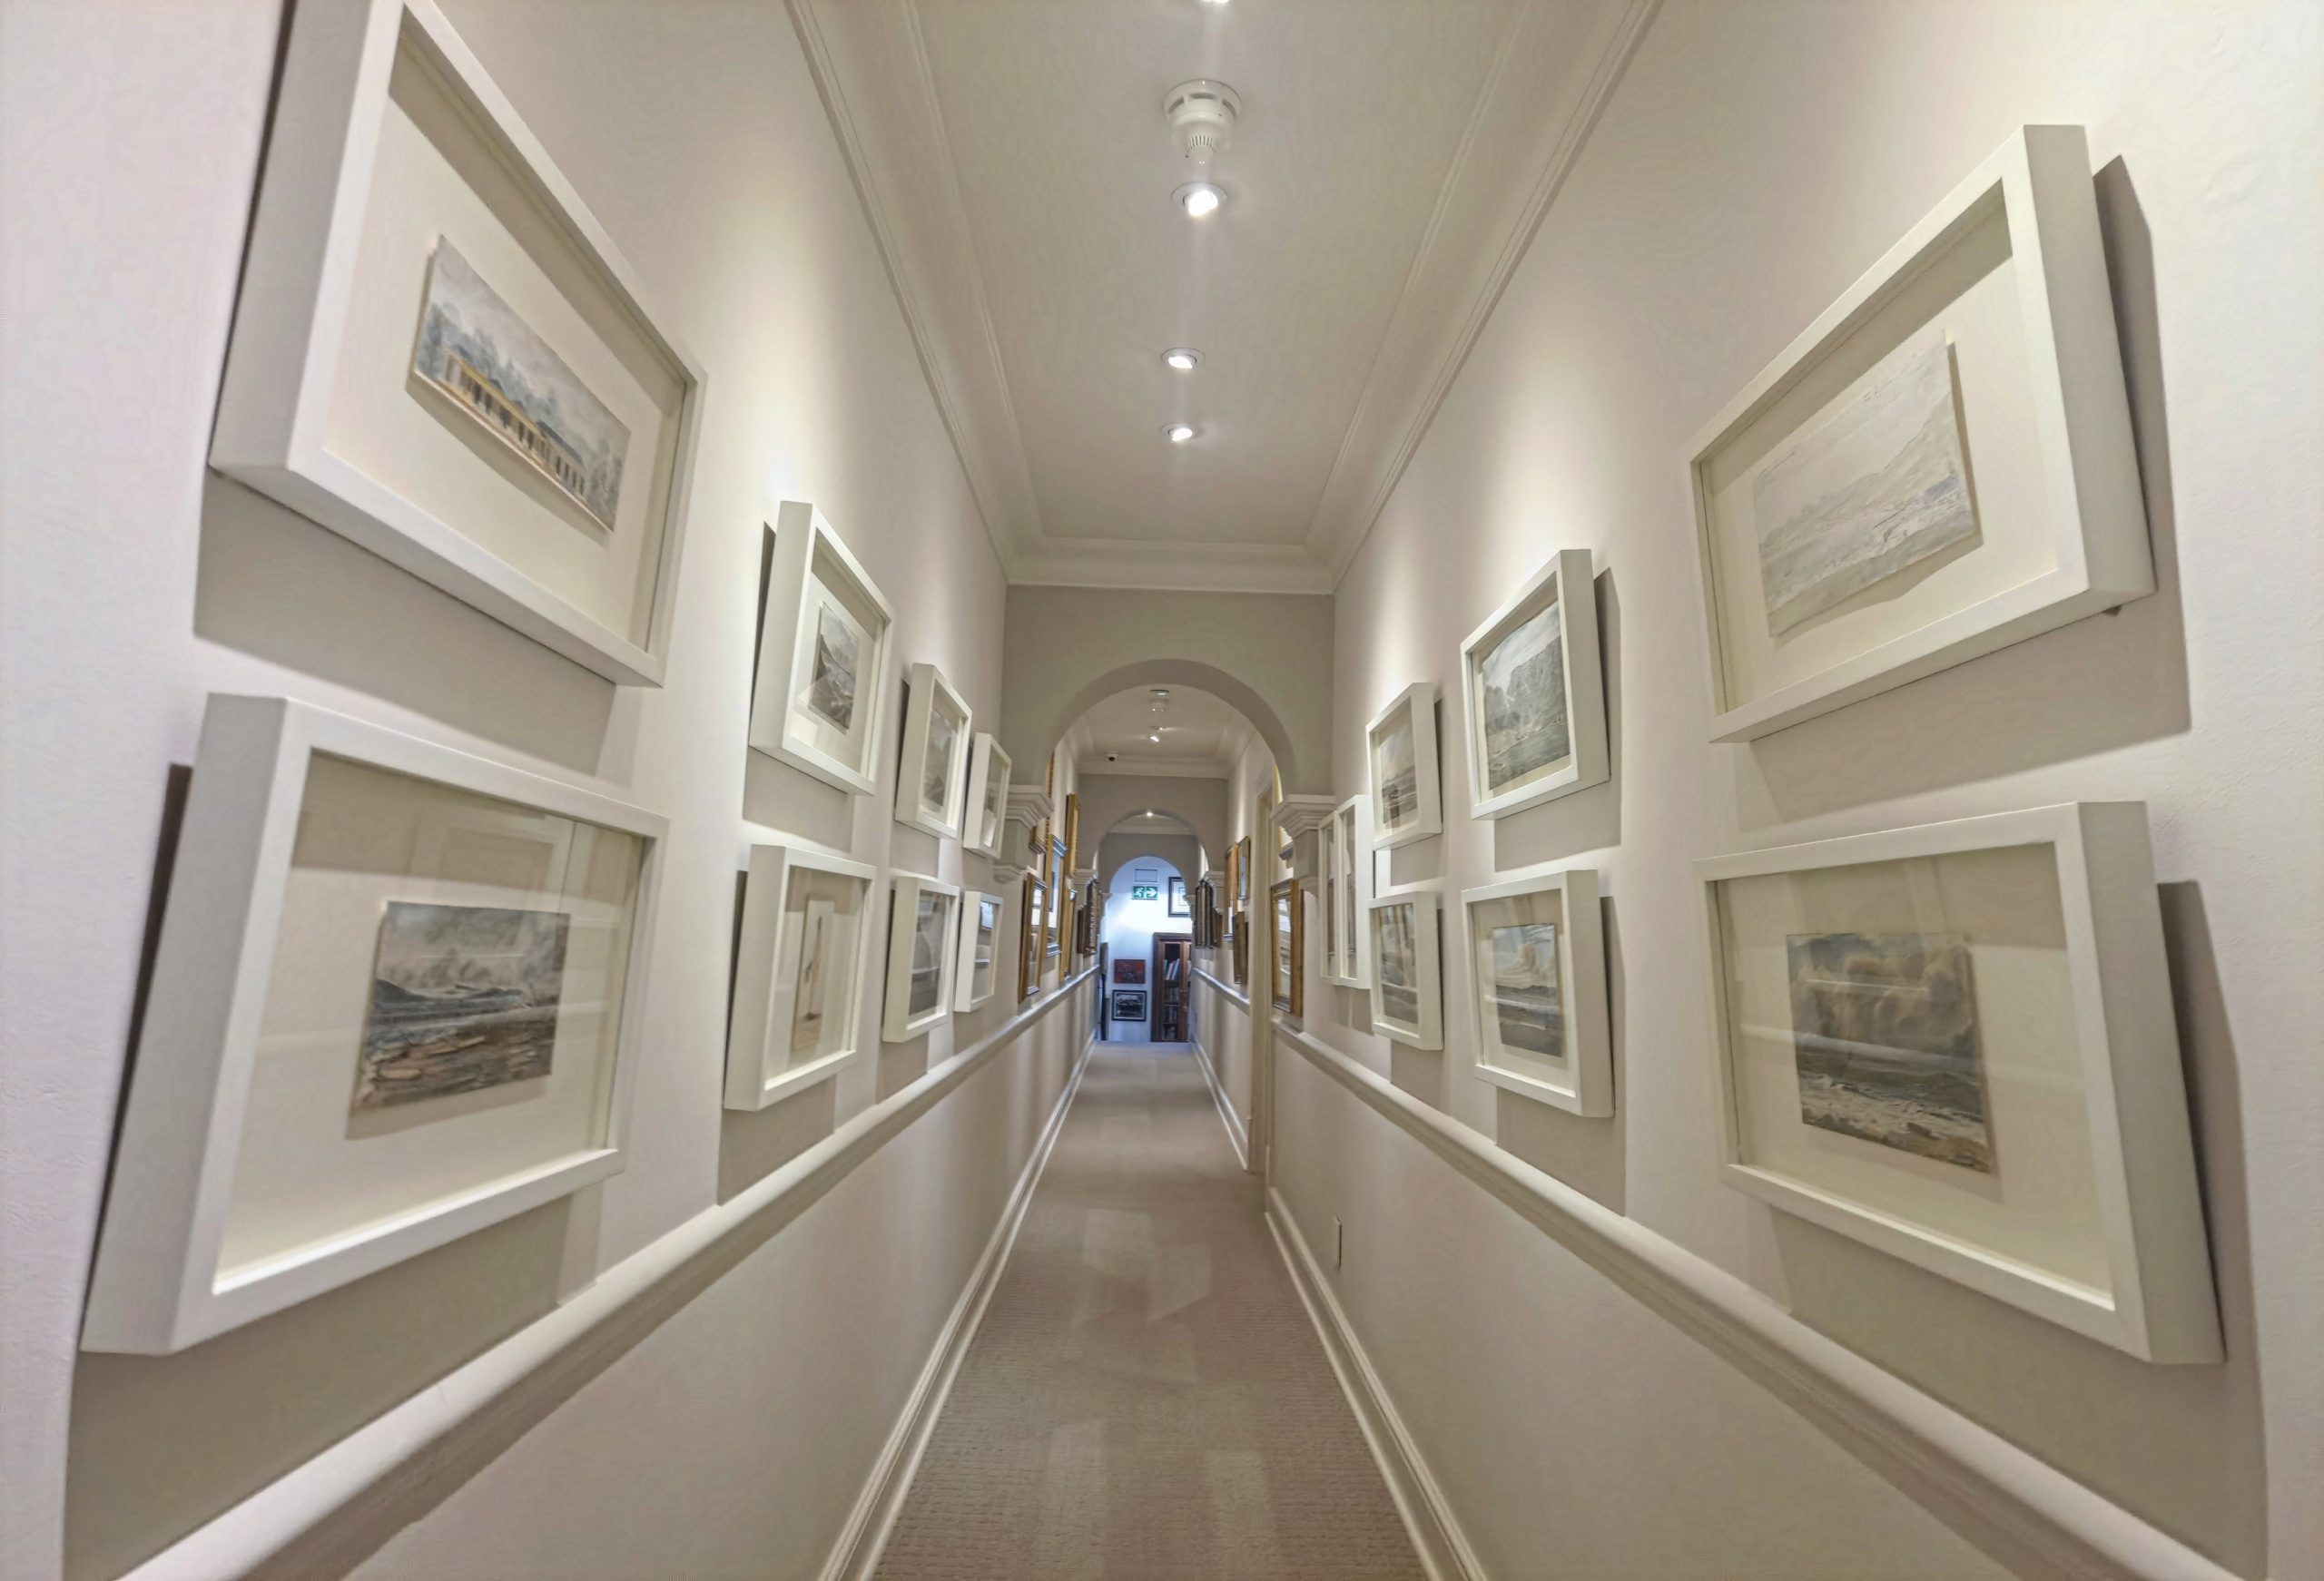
(1157, 768)
(1184, 567)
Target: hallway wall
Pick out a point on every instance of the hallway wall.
(1753, 160)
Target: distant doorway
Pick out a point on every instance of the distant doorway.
(1172, 988)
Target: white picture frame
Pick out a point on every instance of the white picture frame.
(1580, 1078)
(2158, 1303)
(1349, 848)
(291, 333)
(157, 1287)
(984, 815)
(937, 729)
(982, 914)
(814, 586)
(1425, 1028)
(761, 1066)
(898, 1021)
(1416, 707)
(1565, 584)
(2087, 503)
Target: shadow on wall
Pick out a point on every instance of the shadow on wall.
(1588, 819)
(1590, 1155)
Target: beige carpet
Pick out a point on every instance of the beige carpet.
(1145, 1397)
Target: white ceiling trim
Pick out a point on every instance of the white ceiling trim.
(1189, 567)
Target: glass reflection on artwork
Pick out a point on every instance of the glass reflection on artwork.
(1884, 1035)
(936, 769)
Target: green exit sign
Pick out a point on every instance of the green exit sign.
(1145, 891)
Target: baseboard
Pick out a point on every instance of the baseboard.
(1236, 1138)
(1445, 1551)
(856, 1555)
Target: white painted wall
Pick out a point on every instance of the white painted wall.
(1752, 162)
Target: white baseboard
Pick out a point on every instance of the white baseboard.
(1445, 1551)
(856, 1555)
(1236, 1138)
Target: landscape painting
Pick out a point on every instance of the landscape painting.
(1885, 1034)
(490, 363)
(1527, 1012)
(936, 769)
(1398, 964)
(1880, 484)
(1397, 772)
(463, 997)
(1521, 687)
(927, 952)
(830, 678)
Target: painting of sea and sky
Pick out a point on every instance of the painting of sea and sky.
(1526, 1007)
(1878, 484)
(463, 997)
(830, 680)
(474, 350)
(1398, 964)
(1885, 1034)
(1523, 704)
(1398, 773)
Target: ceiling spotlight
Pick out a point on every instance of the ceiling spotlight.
(1157, 692)
(1199, 198)
(1180, 433)
(1182, 357)
(1155, 738)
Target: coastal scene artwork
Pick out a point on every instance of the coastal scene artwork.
(1878, 484)
(936, 769)
(1398, 963)
(1526, 1014)
(463, 997)
(830, 678)
(1522, 687)
(490, 363)
(1397, 772)
(928, 951)
(1885, 1035)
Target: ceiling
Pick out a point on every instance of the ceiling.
(1389, 163)
(1201, 735)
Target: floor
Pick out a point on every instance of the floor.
(1145, 1397)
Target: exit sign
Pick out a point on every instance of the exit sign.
(1145, 891)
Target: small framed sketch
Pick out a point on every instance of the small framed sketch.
(1533, 696)
(1407, 803)
(923, 917)
(1287, 950)
(930, 786)
(1239, 937)
(395, 1000)
(1938, 466)
(1242, 875)
(1130, 1005)
(441, 355)
(1036, 898)
(824, 638)
(976, 976)
(798, 971)
(1347, 864)
(1537, 982)
(1955, 1043)
(988, 803)
(1177, 903)
(1407, 968)
(1060, 897)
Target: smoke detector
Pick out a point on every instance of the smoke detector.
(1202, 115)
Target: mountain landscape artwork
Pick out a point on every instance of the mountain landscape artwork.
(1522, 680)
(1885, 1035)
(1880, 484)
(1526, 1009)
(490, 364)
(463, 997)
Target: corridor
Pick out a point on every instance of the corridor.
(1146, 1395)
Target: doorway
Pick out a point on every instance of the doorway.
(1173, 955)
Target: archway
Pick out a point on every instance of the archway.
(1147, 932)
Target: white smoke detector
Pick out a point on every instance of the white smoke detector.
(1202, 115)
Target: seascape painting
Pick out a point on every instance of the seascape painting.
(830, 680)
(490, 363)
(927, 952)
(1527, 1011)
(936, 769)
(1397, 772)
(1398, 964)
(1885, 1034)
(1521, 703)
(1878, 484)
(463, 997)
(817, 930)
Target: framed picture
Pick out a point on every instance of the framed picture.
(1401, 749)
(1234, 874)
(988, 803)
(1060, 897)
(1938, 466)
(1092, 914)
(1287, 949)
(1242, 875)
(931, 785)
(1241, 937)
(459, 373)
(1532, 695)
(798, 971)
(976, 974)
(1130, 969)
(1035, 897)
(1407, 968)
(1955, 1043)
(1178, 897)
(825, 634)
(1348, 867)
(394, 1000)
(923, 920)
(1129, 1004)
(1536, 979)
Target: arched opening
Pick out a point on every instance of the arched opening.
(1147, 935)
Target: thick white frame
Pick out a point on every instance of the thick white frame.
(930, 692)
(896, 1025)
(1581, 981)
(156, 1286)
(786, 650)
(989, 769)
(1351, 823)
(758, 1068)
(2141, 1150)
(1428, 932)
(274, 405)
(1567, 580)
(1421, 698)
(964, 969)
(2097, 509)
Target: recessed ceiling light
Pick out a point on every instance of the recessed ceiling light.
(1201, 198)
(1180, 433)
(1155, 738)
(1182, 357)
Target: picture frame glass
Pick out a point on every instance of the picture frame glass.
(1395, 771)
(841, 658)
(940, 767)
(932, 932)
(987, 935)
(819, 961)
(1521, 956)
(1284, 975)
(1400, 974)
(1520, 697)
